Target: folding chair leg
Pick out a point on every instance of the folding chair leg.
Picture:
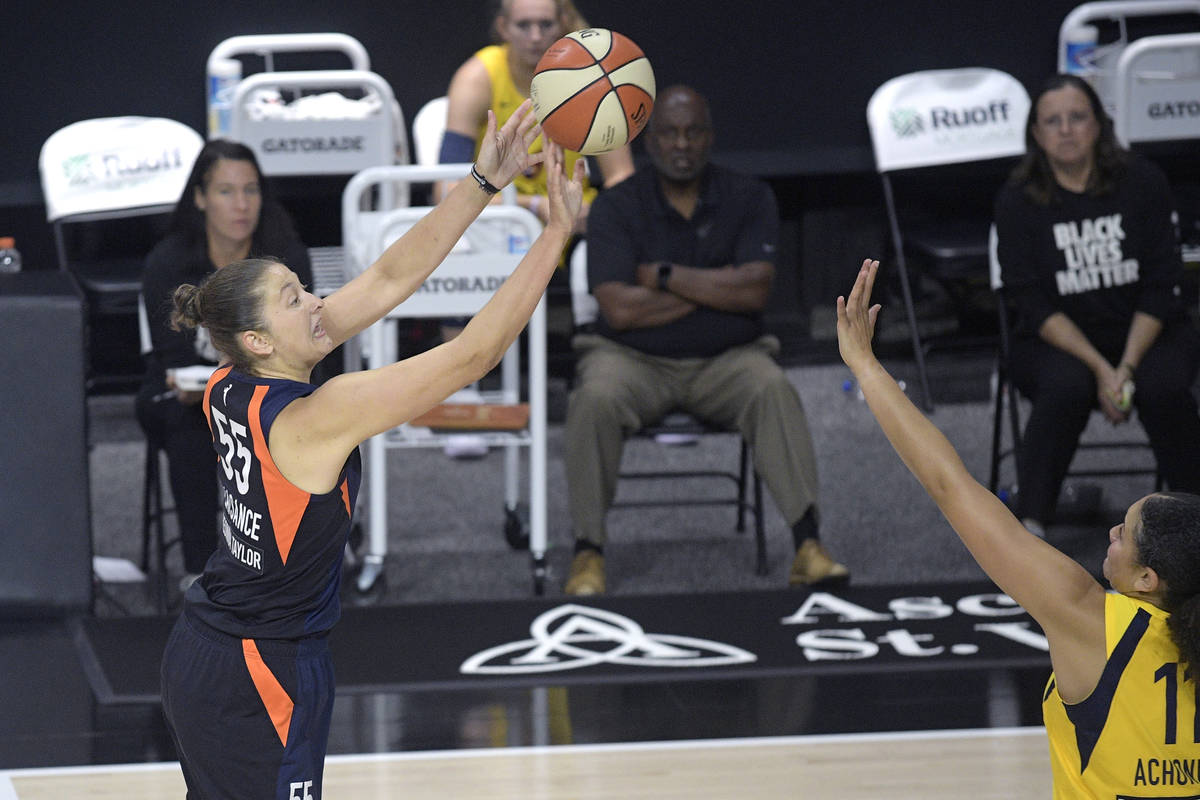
(918, 349)
(997, 427)
(741, 487)
(149, 480)
(902, 267)
(152, 518)
(760, 536)
(1014, 421)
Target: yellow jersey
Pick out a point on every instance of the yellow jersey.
(505, 100)
(1137, 735)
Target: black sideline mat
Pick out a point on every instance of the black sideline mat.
(562, 641)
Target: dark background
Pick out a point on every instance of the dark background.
(789, 83)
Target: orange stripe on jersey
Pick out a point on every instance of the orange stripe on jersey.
(217, 376)
(286, 502)
(346, 498)
(279, 706)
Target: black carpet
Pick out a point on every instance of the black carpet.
(562, 641)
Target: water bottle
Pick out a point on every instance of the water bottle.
(518, 243)
(223, 76)
(10, 259)
(1081, 50)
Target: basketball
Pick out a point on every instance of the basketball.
(593, 91)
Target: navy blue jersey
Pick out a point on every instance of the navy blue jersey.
(277, 569)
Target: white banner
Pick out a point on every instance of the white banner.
(460, 286)
(114, 163)
(1158, 89)
(319, 147)
(947, 116)
(477, 265)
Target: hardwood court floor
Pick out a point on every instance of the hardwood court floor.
(999, 763)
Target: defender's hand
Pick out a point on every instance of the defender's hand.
(856, 318)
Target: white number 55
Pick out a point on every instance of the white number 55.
(235, 446)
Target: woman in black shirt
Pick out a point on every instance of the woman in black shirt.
(1090, 263)
(224, 214)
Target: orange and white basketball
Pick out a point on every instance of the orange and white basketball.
(593, 91)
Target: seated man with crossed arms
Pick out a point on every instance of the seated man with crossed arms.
(680, 261)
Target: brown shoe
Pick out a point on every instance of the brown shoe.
(587, 574)
(814, 566)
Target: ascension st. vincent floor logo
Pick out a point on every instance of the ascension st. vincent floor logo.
(573, 637)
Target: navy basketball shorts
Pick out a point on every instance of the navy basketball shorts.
(250, 717)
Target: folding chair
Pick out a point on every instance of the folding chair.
(428, 126)
(489, 250)
(314, 146)
(938, 119)
(1117, 23)
(585, 311)
(1005, 390)
(109, 186)
(1157, 83)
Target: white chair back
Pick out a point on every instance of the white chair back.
(428, 127)
(116, 166)
(1157, 88)
(360, 219)
(266, 45)
(145, 342)
(994, 279)
(947, 116)
(469, 276)
(1099, 61)
(584, 308)
(321, 145)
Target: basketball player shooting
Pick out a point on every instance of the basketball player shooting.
(247, 678)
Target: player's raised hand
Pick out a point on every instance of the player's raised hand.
(856, 318)
(565, 195)
(505, 152)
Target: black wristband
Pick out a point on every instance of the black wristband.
(664, 275)
(482, 181)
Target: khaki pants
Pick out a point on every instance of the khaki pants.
(619, 390)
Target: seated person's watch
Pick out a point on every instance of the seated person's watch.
(664, 275)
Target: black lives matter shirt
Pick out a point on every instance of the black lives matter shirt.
(1096, 258)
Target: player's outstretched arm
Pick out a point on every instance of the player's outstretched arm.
(313, 436)
(1052, 587)
(405, 265)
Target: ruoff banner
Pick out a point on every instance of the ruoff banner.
(946, 117)
(113, 163)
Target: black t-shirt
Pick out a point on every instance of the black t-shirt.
(735, 221)
(1096, 258)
